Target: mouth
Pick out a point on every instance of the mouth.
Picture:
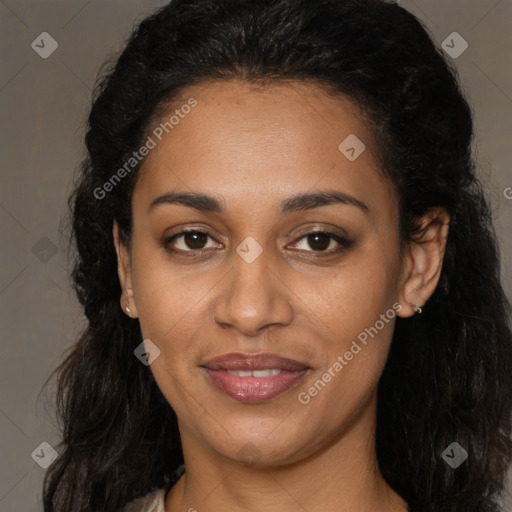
(254, 378)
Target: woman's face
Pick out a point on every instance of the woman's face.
(257, 281)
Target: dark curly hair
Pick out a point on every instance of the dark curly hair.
(448, 374)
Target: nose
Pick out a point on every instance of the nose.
(253, 297)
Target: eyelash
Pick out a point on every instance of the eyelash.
(343, 242)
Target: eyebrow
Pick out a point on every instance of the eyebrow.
(301, 202)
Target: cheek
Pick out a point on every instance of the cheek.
(169, 311)
(168, 304)
(352, 296)
(356, 308)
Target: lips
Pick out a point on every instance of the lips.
(254, 378)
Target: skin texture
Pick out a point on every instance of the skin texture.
(254, 147)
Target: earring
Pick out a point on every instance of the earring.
(128, 311)
(417, 309)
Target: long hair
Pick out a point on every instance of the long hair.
(448, 374)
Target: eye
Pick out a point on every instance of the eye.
(323, 241)
(195, 240)
(192, 240)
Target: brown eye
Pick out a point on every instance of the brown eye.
(195, 239)
(319, 241)
(322, 242)
(187, 241)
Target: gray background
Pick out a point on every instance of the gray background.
(44, 104)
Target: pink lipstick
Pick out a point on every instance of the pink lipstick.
(254, 378)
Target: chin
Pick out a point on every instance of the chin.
(260, 449)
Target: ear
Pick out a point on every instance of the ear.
(124, 272)
(423, 261)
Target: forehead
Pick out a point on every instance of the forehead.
(241, 141)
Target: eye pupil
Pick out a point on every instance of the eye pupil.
(313, 238)
(191, 239)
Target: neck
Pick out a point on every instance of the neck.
(341, 477)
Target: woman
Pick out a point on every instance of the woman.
(289, 273)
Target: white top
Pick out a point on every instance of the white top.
(154, 502)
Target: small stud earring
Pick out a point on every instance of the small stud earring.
(417, 309)
(128, 310)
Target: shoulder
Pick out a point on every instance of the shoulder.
(153, 502)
